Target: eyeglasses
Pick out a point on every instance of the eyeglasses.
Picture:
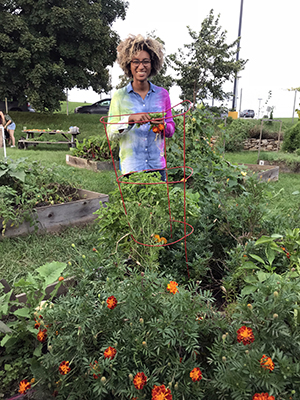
(136, 63)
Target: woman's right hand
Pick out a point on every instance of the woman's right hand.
(139, 118)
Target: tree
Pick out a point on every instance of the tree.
(47, 46)
(207, 63)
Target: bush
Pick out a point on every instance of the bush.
(236, 133)
(291, 141)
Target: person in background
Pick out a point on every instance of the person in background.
(10, 126)
(141, 148)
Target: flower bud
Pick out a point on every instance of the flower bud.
(275, 293)
(176, 386)
(130, 376)
(275, 316)
(73, 245)
(103, 379)
(141, 320)
(247, 351)
(115, 344)
(170, 385)
(144, 344)
(224, 359)
(224, 337)
(250, 306)
(83, 256)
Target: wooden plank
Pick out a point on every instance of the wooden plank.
(54, 217)
(89, 164)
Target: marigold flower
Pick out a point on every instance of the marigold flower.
(94, 249)
(24, 385)
(161, 393)
(157, 238)
(140, 380)
(95, 369)
(111, 302)
(42, 335)
(64, 368)
(266, 362)
(196, 374)
(110, 352)
(245, 335)
(164, 240)
(161, 127)
(155, 129)
(262, 396)
(172, 287)
(61, 278)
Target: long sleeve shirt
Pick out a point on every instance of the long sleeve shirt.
(140, 148)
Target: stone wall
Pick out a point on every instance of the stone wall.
(266, 144)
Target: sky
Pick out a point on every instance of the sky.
(269, 41)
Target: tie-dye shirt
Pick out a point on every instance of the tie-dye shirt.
(140, 148)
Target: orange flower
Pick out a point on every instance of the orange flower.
(164, 240)
(61, 278)
(196, 374)
(262, 396)
(94, 249)
(157, 238)
(42, 335)
(266, 362)
(37, 324)
(140, 380)
(64, 368)
(155, 129)
(110, 352)
(172, 287)
(111, 302)
(24, 385)
(161, 127)
(245, 335)
(161, 393)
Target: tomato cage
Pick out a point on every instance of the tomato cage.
(187, 173)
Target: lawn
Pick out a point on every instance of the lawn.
(27, 253)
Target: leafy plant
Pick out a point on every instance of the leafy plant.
(95, 148)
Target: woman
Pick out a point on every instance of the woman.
(10, 126)
(140, 147)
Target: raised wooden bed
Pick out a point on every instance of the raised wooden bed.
(264, 173)
(88, 164)
(54, 217)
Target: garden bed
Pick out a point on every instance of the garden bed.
(264, 173)
(52, 218)
(89, 164)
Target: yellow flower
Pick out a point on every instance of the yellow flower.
(157, 238)
(244, 173)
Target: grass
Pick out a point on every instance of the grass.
(22, 254)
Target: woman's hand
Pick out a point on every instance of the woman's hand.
(139, 119)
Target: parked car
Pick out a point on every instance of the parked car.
(100, 107)
(15, 106)
(247, 114)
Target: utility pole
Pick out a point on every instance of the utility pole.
(294, 104)
(237, 56)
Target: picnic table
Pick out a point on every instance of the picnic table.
(32, 134)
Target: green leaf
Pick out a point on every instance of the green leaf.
(21, 175)
(250, 279)
(262, 276)
(38, 351)
(4, 340)
(51, 272)
(264, 239)
(249, 265)
(248, 290)
(4, 328)
(23, 312)
(257, 258)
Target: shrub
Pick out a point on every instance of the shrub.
(291, 141)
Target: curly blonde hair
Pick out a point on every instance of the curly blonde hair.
(134, 44)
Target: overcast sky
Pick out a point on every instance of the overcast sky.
(269, 40)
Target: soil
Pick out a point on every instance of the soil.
(63, 194)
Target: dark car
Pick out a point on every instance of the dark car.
(100, 107)
(15, 106)
(247, 114)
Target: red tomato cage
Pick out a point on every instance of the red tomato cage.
(187, 173)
